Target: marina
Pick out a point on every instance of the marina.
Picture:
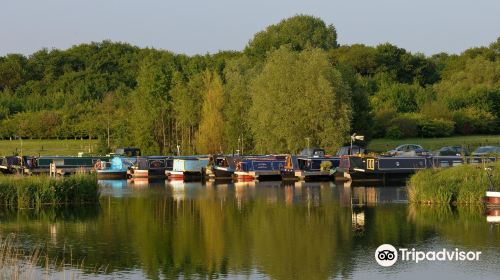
(239, 167)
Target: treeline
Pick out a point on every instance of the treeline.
(291, 85)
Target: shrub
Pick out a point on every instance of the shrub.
(474, 120)
(435, 128)
(403, 126)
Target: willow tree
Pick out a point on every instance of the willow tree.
(299, 96)
(210, 137)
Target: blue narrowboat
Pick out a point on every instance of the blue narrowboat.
(397, 168)
(310, 168)
(260, 167)
(222, 166)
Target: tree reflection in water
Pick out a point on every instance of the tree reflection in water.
(283, 230)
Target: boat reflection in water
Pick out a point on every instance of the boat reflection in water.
(278, 230)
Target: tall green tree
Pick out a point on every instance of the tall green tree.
(238, 74)
(299, 96)
(299, 32)
(210, 137)
(151, 105)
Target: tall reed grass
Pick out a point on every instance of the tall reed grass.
(36, 191)
(464, 184)
(17, 263)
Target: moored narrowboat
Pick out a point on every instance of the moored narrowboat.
(389, 168)
(116, 168)
(153, 167)
(64, 164)
(492, 197)
(221, 166)
(188, 168)
(310, 168)
(260, 167)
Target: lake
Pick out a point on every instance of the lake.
(263, 230)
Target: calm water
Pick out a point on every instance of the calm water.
(256, 230)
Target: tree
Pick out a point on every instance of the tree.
(299, 32)
(151, 105)
(299, 96)
(210, 137)
(238, 75)
(187, 107)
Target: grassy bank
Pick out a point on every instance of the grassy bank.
(46, 147)
(36, 191)
(472, 142)
(464, 184)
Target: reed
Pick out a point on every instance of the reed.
(17, 263)
(37, 191)
(464, 184)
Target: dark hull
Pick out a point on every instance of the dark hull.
(111, 175)
(222, 174)
(382, 177)
(186, 176)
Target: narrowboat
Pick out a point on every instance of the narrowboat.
(221, 166)
(492, 197)
(310, 168)
(153, 167)
(64, 164)
(381, 167)
(188, 168)
(388, 168)
(116, 168)
(260, 167)
(13, 164)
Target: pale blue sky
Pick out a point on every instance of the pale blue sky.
(189, 26)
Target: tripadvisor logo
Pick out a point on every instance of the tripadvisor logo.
(387, 255)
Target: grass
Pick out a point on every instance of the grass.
(471, 142)
(464, 184)
(37, 191)
(16, 263)
(47, 147)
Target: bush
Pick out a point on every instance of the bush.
(381, 122)
(474, 120)
(403, 126)
(435, 128)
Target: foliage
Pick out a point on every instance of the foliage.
(153, 99)
(29, 192)
(299, 96)
(210, 137)
(298, 32)
(461, 184)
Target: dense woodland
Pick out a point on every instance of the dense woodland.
(292, 84)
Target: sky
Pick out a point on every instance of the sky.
(200, 27)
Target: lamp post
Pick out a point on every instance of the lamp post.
(355, 137)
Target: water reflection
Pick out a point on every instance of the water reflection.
(281, 230)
